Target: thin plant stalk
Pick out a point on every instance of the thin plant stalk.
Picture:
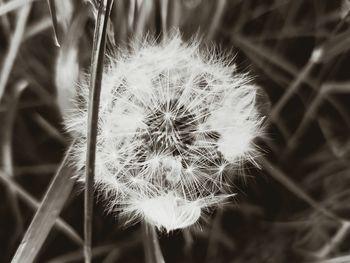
(153, 253)
(46, 215)
(12, 5)
(52, 7)
(338, 237)
(215, 23)
(97, 59)
(34, 204)
(294, 188)
(14, 45)
(7, 151)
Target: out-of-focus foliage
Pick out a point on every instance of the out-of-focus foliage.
(295, 208)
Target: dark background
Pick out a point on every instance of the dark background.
(288, 210)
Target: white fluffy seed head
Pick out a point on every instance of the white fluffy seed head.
(171, 119)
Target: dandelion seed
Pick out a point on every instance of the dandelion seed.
(168, 211)
(172, 119)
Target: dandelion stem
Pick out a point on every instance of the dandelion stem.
(153, 253)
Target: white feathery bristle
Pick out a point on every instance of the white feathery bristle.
(171, 120)
(168, 211)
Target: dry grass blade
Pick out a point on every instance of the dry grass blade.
(314, 59)
(214, 234)
(337, 45)
(45, 217)
(120, 247)
(341, 259)
(33, 203)
(13, 5)
(220, 8)
(143, 17)
(49, 128)
(300, 76)
(153, 253)
(258, 53)
(291, 186)
(259, 12)
(7, 151)
(52, 7)
(79, 255)
(98, 50)
(175, 14)
(339, 236)
(269, 56)
(98, 251)
(67, 62)
(37, 169)
(259, 58)
(37, 28)
(311, 111)
(130, 15)
(163, 14)
(5, 22)
(14, 46)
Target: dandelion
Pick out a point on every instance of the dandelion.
(172, 121)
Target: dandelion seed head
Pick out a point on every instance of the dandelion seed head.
(171, 120)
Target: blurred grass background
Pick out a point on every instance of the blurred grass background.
(295, 208)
